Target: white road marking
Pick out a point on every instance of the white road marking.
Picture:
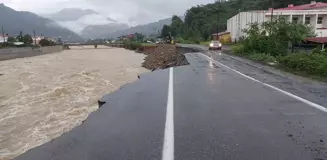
(168, 147)
(312, 104)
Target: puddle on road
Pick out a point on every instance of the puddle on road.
(42, 97)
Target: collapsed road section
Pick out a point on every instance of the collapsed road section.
(165, 56)
(160, 57)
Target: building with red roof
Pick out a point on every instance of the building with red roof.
(3, 38)
(313, 14)
(312, 6)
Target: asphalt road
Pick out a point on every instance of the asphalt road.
(202, 111)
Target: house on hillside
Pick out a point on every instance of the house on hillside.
(37, 39)
(314, 14)
(126, 37)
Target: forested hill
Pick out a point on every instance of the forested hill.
(15, 22)
(201, 21)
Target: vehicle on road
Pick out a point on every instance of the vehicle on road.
(215, 45)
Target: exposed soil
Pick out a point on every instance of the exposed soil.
(147, 49)
(163, 56)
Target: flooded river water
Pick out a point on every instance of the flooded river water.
(44, 96)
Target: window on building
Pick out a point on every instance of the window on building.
(307, 20)
(295, 19)
(319, 21)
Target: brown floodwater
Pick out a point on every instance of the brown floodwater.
(45, 96)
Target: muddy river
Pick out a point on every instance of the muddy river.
(44, 96)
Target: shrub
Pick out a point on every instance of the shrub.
(261, 57)
(311, 64)
(187, 41)
(45, 42)
(179, 40)
(206, 43)
(197, 41)
(184, 41)
(274, 37)
(131, 45)
(238, 49)
(135, 45)
(318, 50)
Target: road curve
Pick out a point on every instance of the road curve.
(217, 113)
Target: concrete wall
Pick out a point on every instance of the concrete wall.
(236, 24)
(12, 53)
(324, 21)
(239, 22)
(321, 32)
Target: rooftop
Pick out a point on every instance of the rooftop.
(317, 40)
(312, 5)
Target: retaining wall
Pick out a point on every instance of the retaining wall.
(12, 53)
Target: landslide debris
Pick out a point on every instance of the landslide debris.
(164, 56)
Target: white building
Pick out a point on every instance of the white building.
(3, 38)
(314, 14)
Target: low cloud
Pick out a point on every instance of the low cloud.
(132, 12)
(78, 25)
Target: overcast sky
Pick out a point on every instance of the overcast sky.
(127, 11)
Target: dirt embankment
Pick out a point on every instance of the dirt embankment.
(163, 56)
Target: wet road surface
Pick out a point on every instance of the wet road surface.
(217, 114)
(303, 87)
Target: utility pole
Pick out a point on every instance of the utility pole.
(239, 24)
(272, 13)
(217, 25)
(34, 37)
(272, 9)
(218, 19)
(3, 35)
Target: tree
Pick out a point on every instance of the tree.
(274, 37)
(176, 26)
(20, 37)
(166, 30)
(11, 39)
(45, 42)
(27, 39)
(59, 41)
(138, 37)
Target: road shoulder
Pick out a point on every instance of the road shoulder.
(303, 87)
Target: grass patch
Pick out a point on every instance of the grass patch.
(313, 65)
(131, 45)
(206, 43)
(148, 44)
(301, 73)
(261, 57)
(309, 64)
